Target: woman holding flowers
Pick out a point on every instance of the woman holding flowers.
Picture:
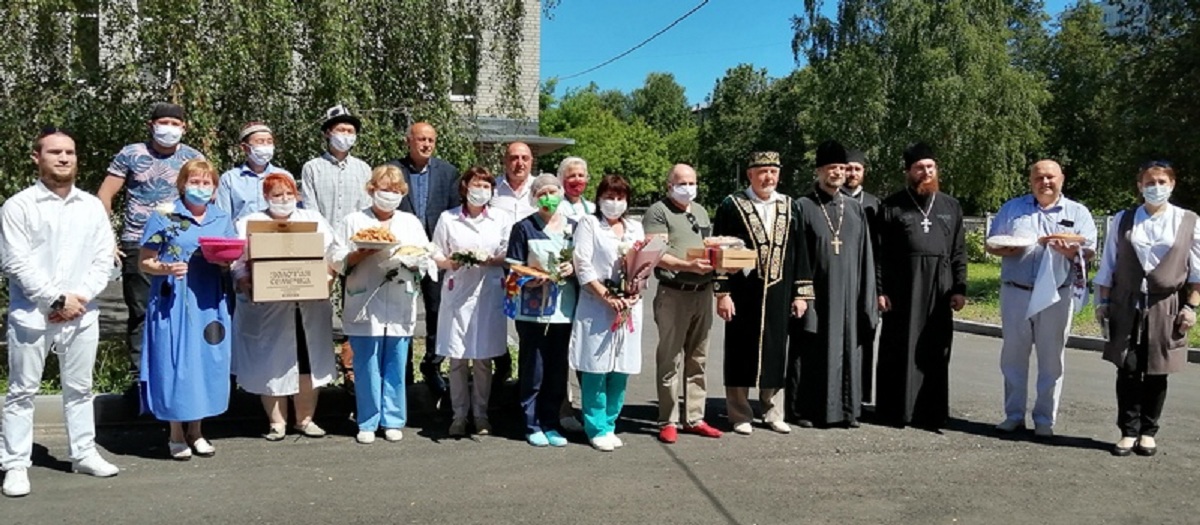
(185, 368)
(543, 308)
(281, 349)
(606, 337)
(470, 244)
(380, 308)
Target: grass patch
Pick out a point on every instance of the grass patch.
(983, 303)
(111, 374)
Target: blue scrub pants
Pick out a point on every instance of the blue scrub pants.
(603, 396)
(542, 372)
(379, 390)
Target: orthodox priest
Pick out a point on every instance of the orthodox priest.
(756, 303)
(923, 269)
(856, 173)
(824, 377)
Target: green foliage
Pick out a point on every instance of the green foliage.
(110, 375)
(730, 129)
(976, 251)
(231, 61)
(661, 103)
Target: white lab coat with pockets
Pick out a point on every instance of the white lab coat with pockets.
(471, 322)
(393, 311)
(595, 347)
(264, 335)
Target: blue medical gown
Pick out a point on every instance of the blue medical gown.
(186, 342)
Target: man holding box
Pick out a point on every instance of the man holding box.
(824, 378)
(755, 303)
(683, 308)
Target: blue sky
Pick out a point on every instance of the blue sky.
(698, 51)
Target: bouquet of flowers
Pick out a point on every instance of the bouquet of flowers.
(470, 258)
(638, 260)
(566, 255)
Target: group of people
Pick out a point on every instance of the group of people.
(800, 323)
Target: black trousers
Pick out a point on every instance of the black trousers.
(135, 288)
(1140, 396)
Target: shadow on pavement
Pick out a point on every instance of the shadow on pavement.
(41, 458)
(988, 430)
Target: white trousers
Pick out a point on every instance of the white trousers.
(470, 396)
(27, 351)
(1047, 332)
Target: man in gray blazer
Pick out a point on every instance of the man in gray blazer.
(432, 189)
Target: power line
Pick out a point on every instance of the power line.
(635, 48)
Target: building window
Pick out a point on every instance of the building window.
(464, 71)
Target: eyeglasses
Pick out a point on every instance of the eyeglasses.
(692, 219)
(1156, 164)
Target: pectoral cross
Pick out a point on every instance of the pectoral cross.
(925, 224)
(837, 246)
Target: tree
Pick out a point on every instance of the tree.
(730, 129)
(889, 73)
(661, 103)
(99, 65)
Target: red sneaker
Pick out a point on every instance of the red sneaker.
(702, 429)
(668, 434)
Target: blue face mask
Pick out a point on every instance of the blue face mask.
(198, 196)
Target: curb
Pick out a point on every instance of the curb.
(1093, 344)
(334, 402)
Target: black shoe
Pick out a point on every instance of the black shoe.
(852, 423)
(804, 423)
(1121, 451)
(1144, 451)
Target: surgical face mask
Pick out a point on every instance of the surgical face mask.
(387, 200)
(261, 155)
(1157, 194)
(576, 187)
(684, 193)
(479, 196)
(612, 209)
(342, 141)
(167, 135)
(549, 202)
(282, 208)
(198, 196)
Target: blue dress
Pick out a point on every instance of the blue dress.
(185, 361)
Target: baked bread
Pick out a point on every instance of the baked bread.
(1070, 238)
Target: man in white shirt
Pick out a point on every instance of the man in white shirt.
(56, 249)
(512, 190)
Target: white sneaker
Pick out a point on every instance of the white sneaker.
(616, 441)
(780, 427)
(16, 483)
(602, 443)
(203, 448)
(393, 435)
(570, 424)
(94, 465)
(364, 437)
(743, 428)
(483, 427)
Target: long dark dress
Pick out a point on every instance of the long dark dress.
(919, 272)
(866, 331)
(824, 383)
(756, 338)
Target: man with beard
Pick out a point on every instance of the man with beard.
(432, 189)
(923, 280)
(856, 170)
(756, 304)
(824, 356)
(57, 252)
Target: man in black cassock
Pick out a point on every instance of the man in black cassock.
(756, 304)
(856, 172)
(824, 356)
(923, 268)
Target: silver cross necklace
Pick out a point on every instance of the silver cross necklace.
(837, 233)
(924, 213)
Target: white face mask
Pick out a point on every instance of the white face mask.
(387, 200)
(479, 196)
(282, 208)
(261, 155)
(684, 193)
(167, 135)
(342, 141)
(1157, 194)
(612, 209)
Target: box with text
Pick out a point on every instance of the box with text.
(284, 240)
(275, 281)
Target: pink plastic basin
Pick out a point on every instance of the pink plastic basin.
(222, 250)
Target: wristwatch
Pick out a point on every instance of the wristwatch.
(59, 303)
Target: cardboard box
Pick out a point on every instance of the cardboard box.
(725, 259)
(284, 240)
(295, 280)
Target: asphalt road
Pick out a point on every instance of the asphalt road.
(871, 475)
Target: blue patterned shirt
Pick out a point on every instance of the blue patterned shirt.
(149, 181)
